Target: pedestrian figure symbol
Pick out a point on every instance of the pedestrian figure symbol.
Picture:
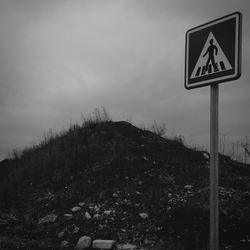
(211, 51)
(211, 60)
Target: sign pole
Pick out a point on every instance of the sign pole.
(214, 176)
(213, 56)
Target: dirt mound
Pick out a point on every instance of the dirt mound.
(112, 180)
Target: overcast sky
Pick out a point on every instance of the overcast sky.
(63, 58)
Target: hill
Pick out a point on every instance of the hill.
(112, 180)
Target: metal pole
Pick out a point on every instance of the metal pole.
(214, 177)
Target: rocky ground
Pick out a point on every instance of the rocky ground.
(135, 187)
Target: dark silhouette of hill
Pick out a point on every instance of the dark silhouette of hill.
(113, 180)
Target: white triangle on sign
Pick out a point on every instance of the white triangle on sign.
(206, 58)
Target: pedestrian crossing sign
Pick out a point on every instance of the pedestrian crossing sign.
(213, 52)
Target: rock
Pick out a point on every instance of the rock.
(126, 247)
(144, 215)
(65, 244)
(97, 208)
(81, 204)
(48, 219)
(83, 242)
(103, 244)
(115, 195)
(61, 235)
(206, 155)
(67, 217)
(87, 216)
(75, 209)
(97, 216)
(107, 212)
(148, 242)
(188, 187)
(75, 230)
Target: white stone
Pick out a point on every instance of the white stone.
(87, 216)
(81, 204)
(83, 242)
(103, 244)
(206, 155)
(144, 215)
(75, 209)
(97, 208)
(107, 212)
(188, 187)
(67, 216)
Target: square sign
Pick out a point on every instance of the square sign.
(213, 52)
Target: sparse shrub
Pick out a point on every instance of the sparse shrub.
(98, 116)
(158, 129)
(15, 154)
(180, 139)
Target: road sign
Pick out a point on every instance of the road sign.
(213, 52)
